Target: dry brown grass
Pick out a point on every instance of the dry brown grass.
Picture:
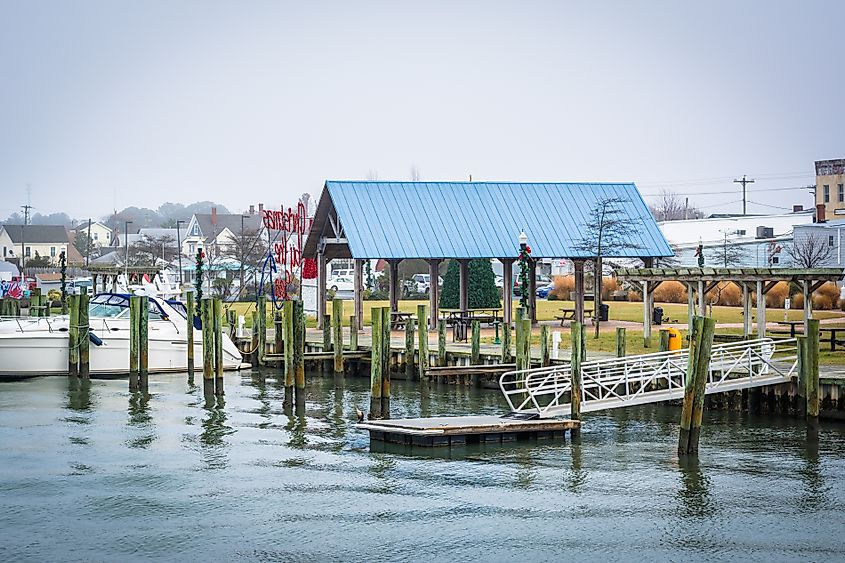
(670, 292)
(726, 294)
(563, 286)
(776, 296)
(608, 286)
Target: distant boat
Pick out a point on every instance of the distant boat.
(32, 346)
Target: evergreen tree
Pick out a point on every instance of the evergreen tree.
(481, 286)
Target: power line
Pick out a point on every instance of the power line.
(743, 182)
(759, 190)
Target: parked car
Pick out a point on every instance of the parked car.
(341, 284)
(541, 280)
(543, 291)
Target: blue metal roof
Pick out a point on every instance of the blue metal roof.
(481, 219)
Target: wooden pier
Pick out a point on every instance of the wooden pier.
(463, 430)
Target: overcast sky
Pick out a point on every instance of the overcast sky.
(110, 104)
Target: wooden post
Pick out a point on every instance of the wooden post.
(144, 345)
(808, 304)
(73, 336)
(253, 357)
(579, 290)
(321, 286)
(575, 370)
(375, 363)
(463, 284)
(337, 330)
(409, 348)
(526, 330)
(189, 306)
(545, 358)
(385, 366)
(761, 311)
(520, 339)
(358, 294)
(507, 291)
(262, 328)
(134, 319)
(299, 352)
(701, 341)
(433, 293)
(690, 306)
(475, 350)
(82, 335)
(506, 343)
(647, 308)
(664, 340)
(702, 300)
(207, 313)
(532, 290)
(422, 319)
(393, 284)
(353, 333)
(289, 343)
(620, 342)
(812, 370)
(746, 311)
(278, 333)
(803, 375)
(441, 342)
(327, 338)
(217, 321)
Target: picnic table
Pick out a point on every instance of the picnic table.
(569, 314)
(792, 325)
(822, 330)
(398, 319)
(460, 319)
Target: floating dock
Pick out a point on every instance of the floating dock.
(462, 430)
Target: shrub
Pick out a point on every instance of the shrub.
(608, 286)
(564, 285)
(777, 295)
(635, 296)
(797, 301)
(826, 297)
(670, 292)
(727, 294)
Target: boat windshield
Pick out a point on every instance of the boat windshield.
(116, 306)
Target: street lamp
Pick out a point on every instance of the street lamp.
(523, 240)
(126, 245)
(179, 250)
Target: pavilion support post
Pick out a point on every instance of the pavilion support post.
(746, 311)
(434, 292)
(393, 269)
(808, 304)
(321, 287)
(520, 340)
(646, 315)
(702, 300)
(761, 310)
(463, 270)
(579, 290)
(811, 363)
(375, 363)
(507, 290)
(532, 290)
(422, 318)
(690, 306)
(358, 293)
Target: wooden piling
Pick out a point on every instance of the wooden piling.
(191, 312)
(299, 352)
(409, 349)
(278, 333)
(520, 338)
(134, 320)
(577, 341)
(353, 333)
(803, 375)
(289, 344)
(422, 319)
(701, 371)
(83, 338)
(475, 350)
(526, 331)
(218, 346)
(664, 340)
(375, 363)
(254, 341)
(701, 341)
(545, 357)
(73, 336)
(207, 313)
(620, 342)
(144, 345)
(337, 335)
(812, 371)
(327, 340)
(385, 366)
(507, 357)
(262, 328)
(441, 342)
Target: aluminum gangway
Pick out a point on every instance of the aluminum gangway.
(648, 378)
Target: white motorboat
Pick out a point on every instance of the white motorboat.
(31, 346)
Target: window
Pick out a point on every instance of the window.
(96, 236)
(4, 252)
(841, 193)
(830, 240)
(26, 253)
(775, 259)
(196, 230)
(740, 232)
(52, 252)
(826, 191)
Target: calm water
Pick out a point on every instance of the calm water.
(97, 474)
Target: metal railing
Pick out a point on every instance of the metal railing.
(647, 378)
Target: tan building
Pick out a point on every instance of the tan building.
(47, 241)
(830, 188)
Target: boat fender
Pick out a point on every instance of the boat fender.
(95, 340)
(197, 323)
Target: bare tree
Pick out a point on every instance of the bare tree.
(673, 207)
(727, 254)
(811, 251)
(606, 233)
(372, 175)
(148, 250)
(415, 173)
(248, 250)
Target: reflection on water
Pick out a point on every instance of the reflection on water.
(89, 457)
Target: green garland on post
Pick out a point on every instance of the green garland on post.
(198, 279)
(524, 257)
(63, 270)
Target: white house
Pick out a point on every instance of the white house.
(43, 240)
(101, 235)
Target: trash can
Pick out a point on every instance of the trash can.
(604, 309)
(657, 316)
(675, 340)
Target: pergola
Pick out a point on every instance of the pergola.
(435, 221)
(759, 281)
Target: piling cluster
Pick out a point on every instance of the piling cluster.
(78, 364)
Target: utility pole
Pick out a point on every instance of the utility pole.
(743, 182)
(26, 209)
